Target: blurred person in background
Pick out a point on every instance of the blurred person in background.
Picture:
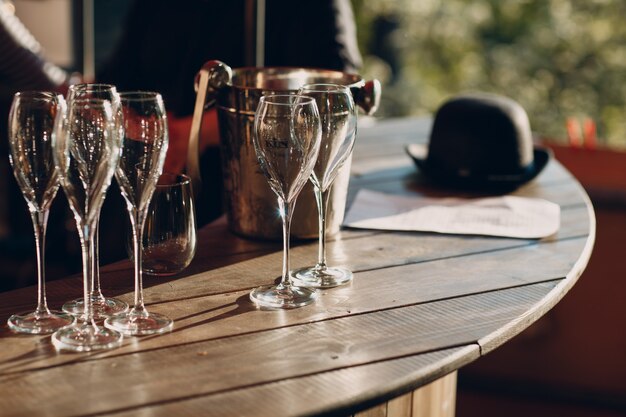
(163, 46)
(23, 66)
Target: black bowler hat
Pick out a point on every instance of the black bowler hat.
(480, 141)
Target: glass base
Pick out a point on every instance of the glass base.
(280, 296)
(38, 322)
(321, 277)
(86, 337)
(135, 324)
(102, 307)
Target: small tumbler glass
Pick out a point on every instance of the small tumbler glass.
(169, 237)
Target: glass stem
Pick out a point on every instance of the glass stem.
(40, 221)
(96, 292)
(86, 250)
(137, 226)
(321, 198)
(286, 211)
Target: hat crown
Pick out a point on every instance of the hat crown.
(481, 134)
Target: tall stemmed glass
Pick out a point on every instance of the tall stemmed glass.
(339, 116)
(143, 154)
(103, 307)
(286, 139)
(31, 124)
(86, 152)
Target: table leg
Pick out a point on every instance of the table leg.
(436, 399)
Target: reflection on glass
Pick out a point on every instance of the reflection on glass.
(286, 139)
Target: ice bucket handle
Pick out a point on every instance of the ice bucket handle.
(212, 76)
(367, 96)
(217, 75)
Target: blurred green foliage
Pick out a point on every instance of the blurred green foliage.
(558, 58)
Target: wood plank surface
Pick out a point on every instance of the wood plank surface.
(293, 396)
(420, 280)
(436, 399)
(421, 305)
(401, 406)
(193, 369)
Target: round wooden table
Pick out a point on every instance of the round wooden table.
(421, 306)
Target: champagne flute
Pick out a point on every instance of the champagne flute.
(31, 124)
(286, 139)
(338, 115)
(86, 149)
(103, 307)
(143, 154)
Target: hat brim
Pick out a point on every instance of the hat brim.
(419, 154)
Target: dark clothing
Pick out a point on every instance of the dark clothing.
(165, 45)
(24, 67)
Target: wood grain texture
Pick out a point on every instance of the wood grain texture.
(338, 393)
(437, 399)
(231, 313)
(506, 332)
(206, 367)
(421, 306)
(402, 406)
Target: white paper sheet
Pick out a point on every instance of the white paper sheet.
(507, 216)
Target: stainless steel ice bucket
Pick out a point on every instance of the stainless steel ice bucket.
(250, 203)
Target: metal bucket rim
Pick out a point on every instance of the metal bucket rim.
(356, 79)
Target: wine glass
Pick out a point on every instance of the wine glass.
(286, 139)
(31, 124)
(86, 149)
(143, 154)
(169, 237)
(102, 306)
(338, 116)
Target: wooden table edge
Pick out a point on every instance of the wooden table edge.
(496, 339)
